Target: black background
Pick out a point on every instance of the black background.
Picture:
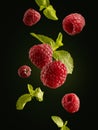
(83, 49)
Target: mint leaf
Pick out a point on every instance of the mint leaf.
(30, 89)
(39, 94)
(57, 120)
(64, 127)
(42, 3)
(64, 57)
(44, 39)
(50, 13)
(65, 122)
(59, 41)
(22, 100)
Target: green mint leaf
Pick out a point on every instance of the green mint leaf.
(41, 8)
(64, 57)
(44, 39)
(58, 121)
(30, 89)
(42, 3)
(64, 127)
(50, 13)
(22, 100)
(65, 122)
(39, 94)
(59, 41)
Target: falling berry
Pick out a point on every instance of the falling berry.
(31, 17)
(73, 23)
(71, 102)
(40, 55)
(53, 75)
(24, 71)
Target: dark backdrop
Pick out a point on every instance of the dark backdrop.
(83, 49)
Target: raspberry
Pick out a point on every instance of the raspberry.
(24, 71)
(73, 23)
(40, 55)
(71, 102)
(53, 75)
(31, 17)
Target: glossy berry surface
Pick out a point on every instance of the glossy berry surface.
(31, 17)
(71, 102)
(40, 55)
(54, 75)
(24, 71)
(73, 23)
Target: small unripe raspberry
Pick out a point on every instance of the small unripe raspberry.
(53, 75)
(31, 17)
(71, 102)
(40, 55)
(24, 71)
(73, 23)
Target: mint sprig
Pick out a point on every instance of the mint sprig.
(62, 55)
(48, 40)
(48, 11)
(23, 99)
(60, 123)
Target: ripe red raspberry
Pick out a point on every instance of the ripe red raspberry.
(53, 75)
(31, 17)
(24, 71)
(73, 23)
(71, 102)
(40, 55)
